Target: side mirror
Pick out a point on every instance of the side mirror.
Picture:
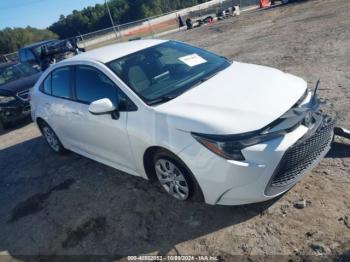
(104, 106)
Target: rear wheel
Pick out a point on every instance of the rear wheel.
(51, 138)
(175, 178)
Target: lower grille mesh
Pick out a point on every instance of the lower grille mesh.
(302, 155)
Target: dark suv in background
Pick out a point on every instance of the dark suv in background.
(40, 55)
(16, 80)
(31, 54)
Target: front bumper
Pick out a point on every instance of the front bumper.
(15, 112)
(303, 155)
(271, 168)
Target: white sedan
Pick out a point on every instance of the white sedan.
(206, 128)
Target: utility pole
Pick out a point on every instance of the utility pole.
(110, 17)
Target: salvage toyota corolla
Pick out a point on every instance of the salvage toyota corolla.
(206, 128)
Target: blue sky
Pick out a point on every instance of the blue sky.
(38, 13)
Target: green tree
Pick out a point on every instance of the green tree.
(13, 38)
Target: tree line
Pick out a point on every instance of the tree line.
(13, 38)
(90, 19)
(93, 18)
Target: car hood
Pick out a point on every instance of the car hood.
(242, 98)
(20, 84)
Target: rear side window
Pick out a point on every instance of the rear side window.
(60, 83)
(45, 87)
(92, 85)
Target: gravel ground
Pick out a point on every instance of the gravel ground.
(53, 205)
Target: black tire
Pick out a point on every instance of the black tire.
(49, 136)
(195, 193)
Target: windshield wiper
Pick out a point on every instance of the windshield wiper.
(161, 99)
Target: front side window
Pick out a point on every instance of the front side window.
(60, 83)
(166, 70)
(92, 85)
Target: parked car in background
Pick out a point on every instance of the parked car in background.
(206, 128)
(40, 54)
(15, 82)
(31, 54)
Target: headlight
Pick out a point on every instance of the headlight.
(230, 147)
(6, 99)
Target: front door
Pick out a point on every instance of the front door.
(99, 136)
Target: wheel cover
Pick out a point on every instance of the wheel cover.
(51, 138)
(172, 179)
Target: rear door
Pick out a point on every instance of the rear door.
(61, 106)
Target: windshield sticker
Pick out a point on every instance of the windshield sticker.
(192, 60)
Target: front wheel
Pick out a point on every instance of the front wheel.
(175, 178)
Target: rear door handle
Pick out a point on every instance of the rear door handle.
(76, 113)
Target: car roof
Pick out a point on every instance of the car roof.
(7, 64)
(39, 43)
(115, 51)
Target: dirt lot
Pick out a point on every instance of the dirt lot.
(53, 205)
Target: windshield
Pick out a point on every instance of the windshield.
(15, 72)
(162, 72)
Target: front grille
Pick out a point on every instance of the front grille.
(23, 95)
(302, 155)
